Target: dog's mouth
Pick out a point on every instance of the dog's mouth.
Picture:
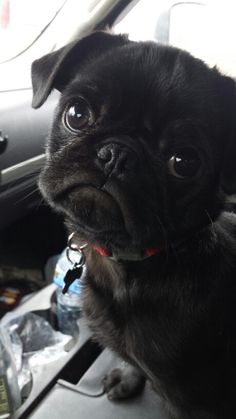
(102, 214)
(92, 209)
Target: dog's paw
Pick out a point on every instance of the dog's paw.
(123, 383)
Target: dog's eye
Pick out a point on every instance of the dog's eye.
(78, 116)
(184, 164)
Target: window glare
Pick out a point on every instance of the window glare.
(140, 22)
(22, 21)
(206, 29)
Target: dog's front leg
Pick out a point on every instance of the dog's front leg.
(123, 382)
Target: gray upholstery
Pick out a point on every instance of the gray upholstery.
(87, 401)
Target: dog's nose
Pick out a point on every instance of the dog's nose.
(113, 158)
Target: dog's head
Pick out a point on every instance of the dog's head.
(142, 145)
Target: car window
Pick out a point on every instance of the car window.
(205, 28)
(22, 22)
(32, 28)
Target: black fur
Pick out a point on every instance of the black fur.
(172, 315)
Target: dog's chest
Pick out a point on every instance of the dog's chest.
(110, 318)
(131, 324)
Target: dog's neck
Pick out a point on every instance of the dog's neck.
(199, 248)
(203, 244)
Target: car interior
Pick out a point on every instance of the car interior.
(32, 236)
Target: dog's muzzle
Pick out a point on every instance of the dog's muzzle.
(115, 159)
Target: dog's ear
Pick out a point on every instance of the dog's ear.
(228, 174)
(56, 69)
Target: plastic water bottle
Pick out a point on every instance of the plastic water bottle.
(69, 305)
(10, 398)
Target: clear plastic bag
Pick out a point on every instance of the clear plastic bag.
(35, 333)
(10, 397)
(34, 343)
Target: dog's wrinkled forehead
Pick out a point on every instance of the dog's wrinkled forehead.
(146, 77)
(146, 70)
(148, 85)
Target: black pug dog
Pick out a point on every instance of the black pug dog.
(141, 161)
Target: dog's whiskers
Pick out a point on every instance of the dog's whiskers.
(166, 242)
(35, 190)
(211, 221)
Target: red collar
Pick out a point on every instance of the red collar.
(104, 252)
(150, 251)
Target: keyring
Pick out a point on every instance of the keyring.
(70, 244)
(75, 248)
